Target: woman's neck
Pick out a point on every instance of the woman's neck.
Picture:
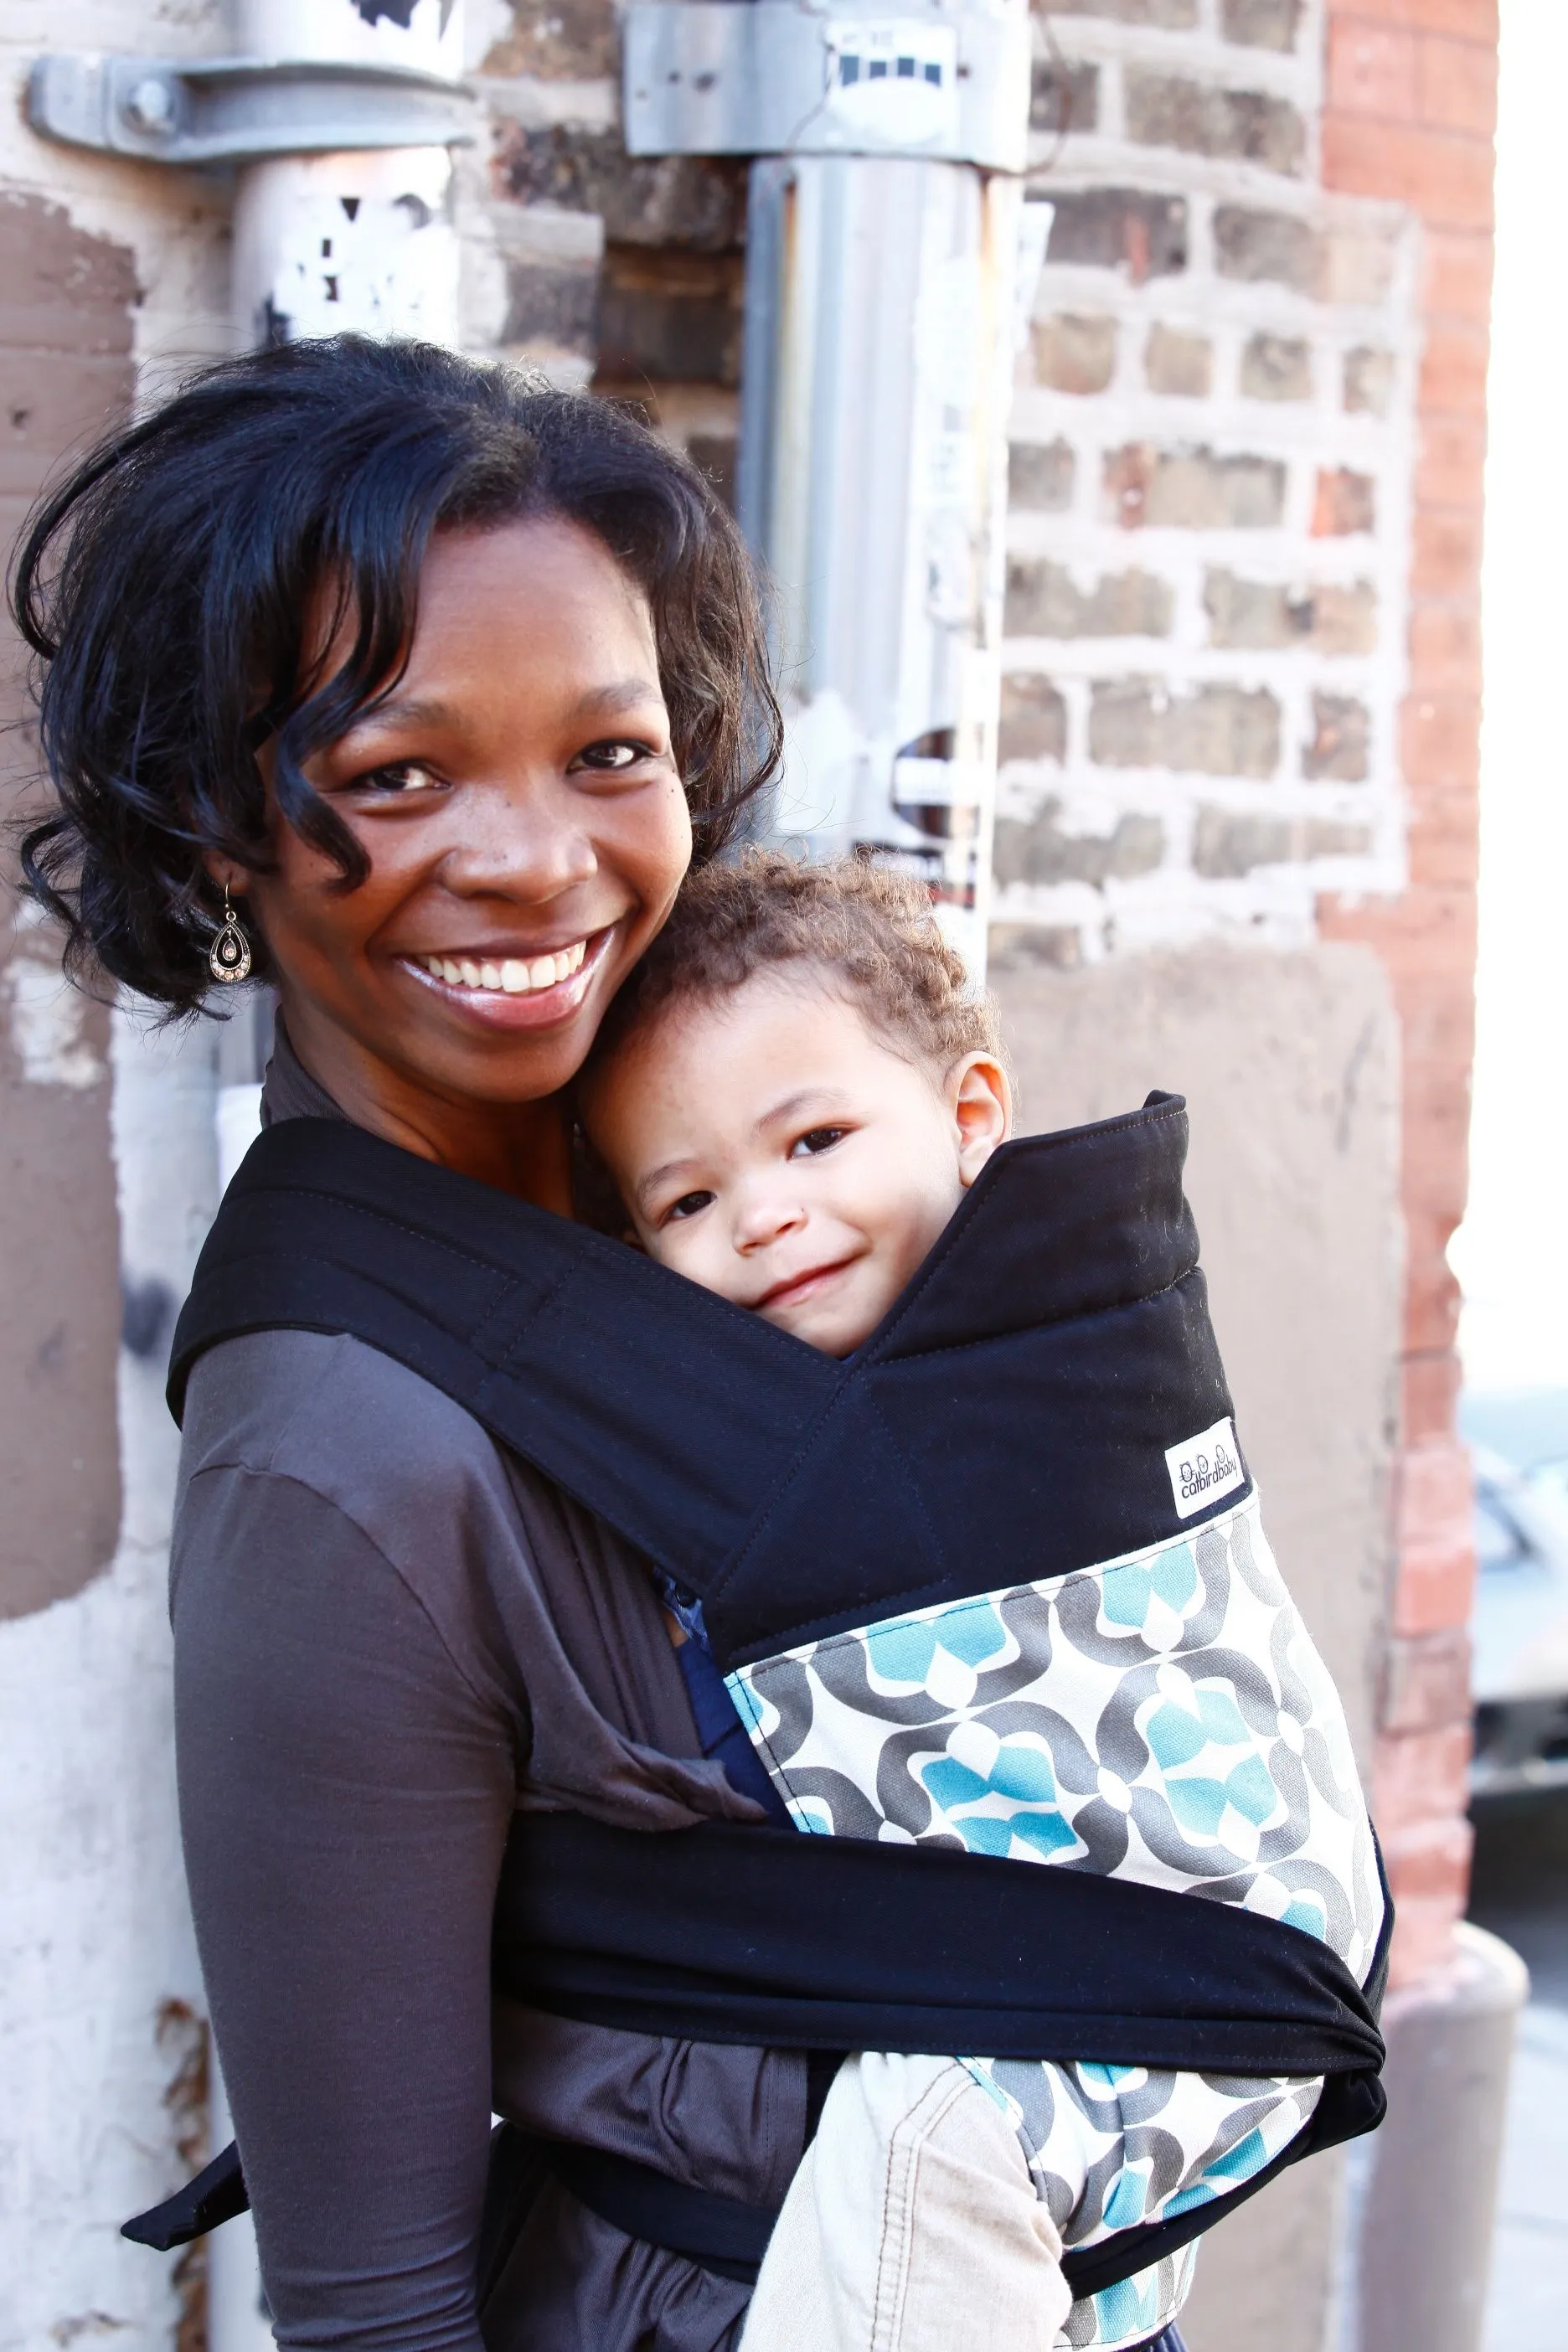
(523, 1149)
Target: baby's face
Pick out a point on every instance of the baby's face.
(775, 1148)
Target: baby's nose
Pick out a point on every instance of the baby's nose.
(764, 1218)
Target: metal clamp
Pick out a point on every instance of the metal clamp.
(233, 110)
(948, 83)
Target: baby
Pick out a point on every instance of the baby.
(792, 1098)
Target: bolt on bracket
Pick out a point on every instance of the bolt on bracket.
(236, 110)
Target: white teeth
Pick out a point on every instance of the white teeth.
(514, 975)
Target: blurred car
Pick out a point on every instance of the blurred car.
(1520, 1629)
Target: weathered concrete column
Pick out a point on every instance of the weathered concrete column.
(1424, 2202)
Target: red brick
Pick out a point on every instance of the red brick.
(1445, 649)
(1419, 1777)
(1423, 935)
(1345, 503)
(1474, 20)
(1427, 1682)
(1435, 1172)
(1456, 85)
(1439, 1039)
(1450, 463)
(1435, 1578)
(1436, 1167)
(1428, 1870)
(1447, 180)
(1431, 1320)
(1435, 1487)
(1429, 1395)
(1444, 552)
(1431, 1863)
(1445, 838)
(1372, 70)
(1459, 276)
(1439, 740)
(1454, 373)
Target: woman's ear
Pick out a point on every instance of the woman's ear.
(227, 874)
(982, 1102)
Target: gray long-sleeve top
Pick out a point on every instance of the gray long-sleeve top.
(389, 1635)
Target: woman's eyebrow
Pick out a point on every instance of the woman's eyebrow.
(412, 710)
(624, 694)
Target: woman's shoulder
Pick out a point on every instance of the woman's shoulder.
(357, 1428)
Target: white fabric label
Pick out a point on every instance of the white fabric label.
(1204, 1468)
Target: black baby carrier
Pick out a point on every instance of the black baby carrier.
(1027, 1399)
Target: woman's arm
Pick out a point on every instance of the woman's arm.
(345, 1792)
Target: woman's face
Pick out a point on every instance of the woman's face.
(526, 829)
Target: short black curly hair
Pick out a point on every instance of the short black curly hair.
(166, 586)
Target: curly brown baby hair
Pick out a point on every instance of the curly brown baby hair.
(871, 932)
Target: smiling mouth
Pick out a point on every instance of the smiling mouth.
(801, 1285)
(506, 975)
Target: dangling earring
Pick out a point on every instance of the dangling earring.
(229, 958)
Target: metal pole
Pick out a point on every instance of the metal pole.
(882, 269)
(357, 241)
(881, 299)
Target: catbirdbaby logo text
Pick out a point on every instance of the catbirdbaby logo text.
(1203, 1468)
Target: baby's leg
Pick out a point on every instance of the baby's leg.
(912, 2225)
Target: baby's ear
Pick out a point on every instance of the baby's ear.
(982, 1102)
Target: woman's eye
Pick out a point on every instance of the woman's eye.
(607, 759)
(687, 1206)
(399, 780)
(816, 1139)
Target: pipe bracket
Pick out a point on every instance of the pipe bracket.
(943, 83)
(237, 110)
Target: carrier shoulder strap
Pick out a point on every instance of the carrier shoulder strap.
(1017, 1403)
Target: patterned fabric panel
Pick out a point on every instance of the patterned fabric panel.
(1140, 2306)
(1163, 1717)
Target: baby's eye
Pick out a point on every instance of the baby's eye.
(816, 1139)
(687, 1206)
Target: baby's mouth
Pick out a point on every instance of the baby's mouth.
(798, 1288)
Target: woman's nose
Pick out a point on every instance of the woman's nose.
(517, 838)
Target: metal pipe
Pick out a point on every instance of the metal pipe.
(880, 296)
(360, 241)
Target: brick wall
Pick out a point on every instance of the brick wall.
(1408, 115)
(625, 275)
(1241, 666)
(1210, 498)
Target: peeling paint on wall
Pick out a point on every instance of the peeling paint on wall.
(48, 1026)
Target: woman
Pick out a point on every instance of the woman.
(435, 683)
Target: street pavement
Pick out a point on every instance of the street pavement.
(1519, 1891)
